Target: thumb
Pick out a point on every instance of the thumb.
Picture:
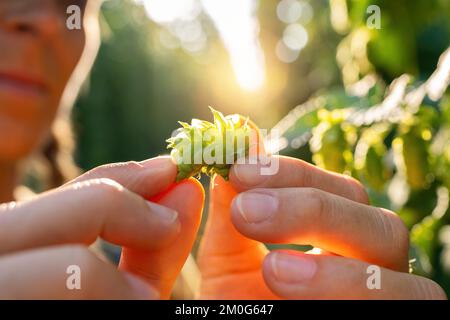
(223, 249)
(161, 267)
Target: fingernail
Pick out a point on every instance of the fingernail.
(256, 207)
(291, 268)
(164, 213)
(249, 174)
(142, 289)
(161, 162)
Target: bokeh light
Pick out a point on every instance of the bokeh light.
(166, 11)
(295, 37)
(235, 21)
(238, 26)
(295, 14)
(290, 11)
(286, 54)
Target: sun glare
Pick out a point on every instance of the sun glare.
(238, 26)
(167, 11)
(236, 23)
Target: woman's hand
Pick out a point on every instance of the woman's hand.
(40, 238)
(302, 204)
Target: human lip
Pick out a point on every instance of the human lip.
(21, 83)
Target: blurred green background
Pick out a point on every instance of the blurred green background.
(317, 66)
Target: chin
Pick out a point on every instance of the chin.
(16, 145)
(21, 132)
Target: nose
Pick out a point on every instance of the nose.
(38, 17)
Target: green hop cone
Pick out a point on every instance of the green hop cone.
(370, 157)
(332, 141)
(210, 148)
(412, 154)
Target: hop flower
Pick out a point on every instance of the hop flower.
(211, 148)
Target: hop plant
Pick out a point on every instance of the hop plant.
(332, 141)
(211, 147)
(371, 155)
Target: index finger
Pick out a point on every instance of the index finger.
(292, 173)
(81, 212)
(146, 178)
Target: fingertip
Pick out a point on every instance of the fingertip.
(192, 185)
(163, 169)
(288, 273)
(187, 197)
(250, 174)
(221, 189)
(218, 180)
(194, 191)
(244, 175)
(164, 161)
(197, 189)
(359, 192)
(269, 274)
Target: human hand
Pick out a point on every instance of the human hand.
(40, 238)
(302, 204)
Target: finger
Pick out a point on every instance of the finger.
(160, 267)
(224, 251)
(221, 239)
(311, 216)
(146, 178)
(257, 148)
(293, 172)
(295, 275)
(51, 273)
(81, 212)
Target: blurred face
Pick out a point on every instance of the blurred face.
(38, 54)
